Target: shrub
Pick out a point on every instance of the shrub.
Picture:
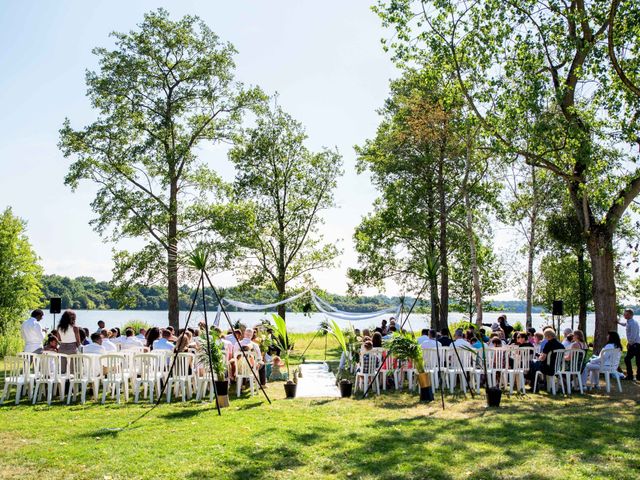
(136, 325)
(518, 326)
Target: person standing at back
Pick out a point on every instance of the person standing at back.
(69, 334)
(633, 343)
(32, 333)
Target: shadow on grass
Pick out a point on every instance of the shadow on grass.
(184, 413)
(249, 406)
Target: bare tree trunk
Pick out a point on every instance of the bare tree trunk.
(475, 276)
(281, 287)
(172, 259)
(532, 247)
(600, 247)
(444, 264)
(582, 286)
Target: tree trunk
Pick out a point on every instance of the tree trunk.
(435, 310)
(281, 287)
(172, 259)
(444, 264)
(582, 286)
(532, 248)
(600, 247)
(475, 276)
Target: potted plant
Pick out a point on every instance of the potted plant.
(211, 357)
(345, 384)
(494, 394)
(282, 340)
(404, 347)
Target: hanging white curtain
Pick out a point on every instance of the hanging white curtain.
(331, 311)
(257, 308)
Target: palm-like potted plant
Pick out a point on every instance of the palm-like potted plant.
(281, 339)
(211, 357)
(404, 348)
(345, 383)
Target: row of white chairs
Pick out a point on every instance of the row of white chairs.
(505, 367)
(49, 373)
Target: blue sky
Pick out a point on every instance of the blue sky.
(324, 58)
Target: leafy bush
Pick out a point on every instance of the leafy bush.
(518, 327)
(463, 324)
(136, 325)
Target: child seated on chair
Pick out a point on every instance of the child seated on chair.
(276, 374)
(52, 344)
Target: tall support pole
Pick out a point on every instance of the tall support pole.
(206, 324)
(464, 372)
(226, 315)
(440, 374)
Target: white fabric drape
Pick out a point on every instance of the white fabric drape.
(256, 308)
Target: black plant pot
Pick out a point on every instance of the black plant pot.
(290, 390)
(494, 395)
(426, 394)
(346, 388)
(222, 387)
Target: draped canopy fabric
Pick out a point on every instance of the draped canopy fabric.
(322, 306)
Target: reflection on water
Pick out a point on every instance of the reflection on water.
(297, 322)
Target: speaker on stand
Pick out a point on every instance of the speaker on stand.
(557, 311)
(55, 306)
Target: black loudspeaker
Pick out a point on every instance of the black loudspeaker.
(558, 308)
(56, 305)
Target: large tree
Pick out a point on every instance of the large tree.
(164, 89)
(20, 275)
(555, 82)
(289, 187)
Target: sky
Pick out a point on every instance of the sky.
(324, 58)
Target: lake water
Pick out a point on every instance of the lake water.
(297, 322)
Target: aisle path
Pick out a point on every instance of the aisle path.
(317, 381)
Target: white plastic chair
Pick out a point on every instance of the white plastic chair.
(115, 376)
(463, 368)
(50, 377)
(497, 364)
(391, 367)
(244, 370)
(83, 374)
(203, 379)
(572, 367)
(367, 368)
(15, 375)
(609, 362)
(31, 366)
(521, 361)
(145, 367)
(433, 366)
(181, 379)
(557, 356)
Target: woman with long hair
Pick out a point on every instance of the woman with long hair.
(153, 334)
(69, 335)
(594, 364)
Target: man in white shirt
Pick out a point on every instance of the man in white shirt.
(107, 344)
(459, 340)
(633, 343)
(32, 333)
(129, 342)
(164, 343)
(431, 341)
(141, 335)
(95, 347)
(423, 337)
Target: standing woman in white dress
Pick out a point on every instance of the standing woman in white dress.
(69, 335)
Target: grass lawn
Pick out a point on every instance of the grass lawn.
(390, 437)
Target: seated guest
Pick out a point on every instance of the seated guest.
(522, 340)
(184, 340)
(444, 339)
(383, 327)
(234, 336)
(459, 340)
(376, 340)
(164, 343)
(152, 335)
(366, 332)
(108, 345)
(531, 332)
(568, 337)
(431, 341)
(52, 344)
(473, 340)
(424, 336)
(248, 342)
(130, 342)
(579, 342)
(546, 361)
(495, 341)
(173, 337)
(141, 335)
(483, 335)
(101, 326)
(83, 337)
(390, 332)
(95, 347)
(276, 373)
(592, 368)
(114, 336)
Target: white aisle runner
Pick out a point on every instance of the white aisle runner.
(317, 381)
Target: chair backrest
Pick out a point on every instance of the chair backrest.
(14, 367)
(497, 358)
(574, 359)
(521, 357)
(82, 366)
(50, 367)
(430, 358)
(460, 358)
(243, 367)
(146, 366)
(183, 363)
(113, 366)
(610, 359)
(369, 362)
(555, 359)
(31, 362)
